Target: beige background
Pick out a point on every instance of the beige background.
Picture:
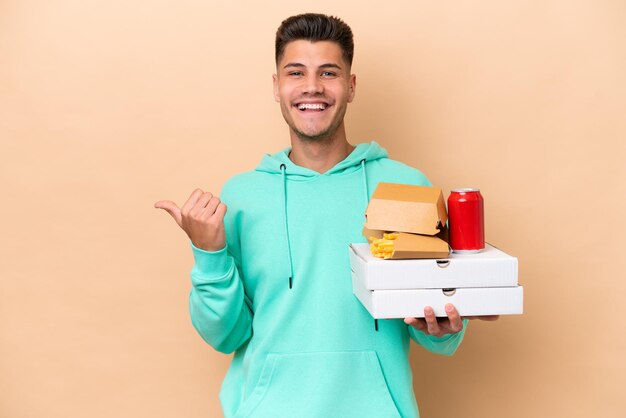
(108, 106)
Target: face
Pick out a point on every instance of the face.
(313, 85)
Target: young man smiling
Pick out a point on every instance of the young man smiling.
(271, 279)
(313, 85)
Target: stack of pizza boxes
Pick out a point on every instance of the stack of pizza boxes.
(408, 264)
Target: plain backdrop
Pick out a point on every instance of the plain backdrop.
(108, 106)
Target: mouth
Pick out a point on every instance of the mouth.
(312, 107)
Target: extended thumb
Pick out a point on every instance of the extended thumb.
(171, 208)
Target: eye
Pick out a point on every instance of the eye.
(295, 73)
(328, 74)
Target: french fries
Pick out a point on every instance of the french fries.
(383, 247)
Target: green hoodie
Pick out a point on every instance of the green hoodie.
(279, 295)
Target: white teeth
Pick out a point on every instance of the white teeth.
(315, 106)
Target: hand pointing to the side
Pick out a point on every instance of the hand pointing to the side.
(201, 217)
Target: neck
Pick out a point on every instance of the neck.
(320, 154)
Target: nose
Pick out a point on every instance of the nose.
(313, 85)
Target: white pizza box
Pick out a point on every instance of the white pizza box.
(403, 303)
(488, 268)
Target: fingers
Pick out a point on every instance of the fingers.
(201, 203)
(456, 323)
(430, 325)
(211, 206)
(191, 202)
(171, 208)
(207, 206)
(431, 321)
(417, 323)
(220, 211)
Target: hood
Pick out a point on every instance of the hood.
(271, 163)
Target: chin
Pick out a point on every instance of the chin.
(313, 136)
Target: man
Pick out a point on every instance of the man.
(271, 279)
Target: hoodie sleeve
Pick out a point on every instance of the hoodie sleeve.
(219, 308)
(445, 345)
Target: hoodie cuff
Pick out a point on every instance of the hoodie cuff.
(211, 265)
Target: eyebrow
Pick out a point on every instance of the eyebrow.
(299, 65)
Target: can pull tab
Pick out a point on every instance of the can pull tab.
(443, 263)
(448, 292)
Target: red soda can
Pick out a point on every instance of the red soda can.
(466, 221)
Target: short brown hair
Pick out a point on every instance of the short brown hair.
(315, 27)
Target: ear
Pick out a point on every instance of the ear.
(352, 88)
(276, 88)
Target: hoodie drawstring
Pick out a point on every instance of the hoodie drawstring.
(363, 172)
(283, 169)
